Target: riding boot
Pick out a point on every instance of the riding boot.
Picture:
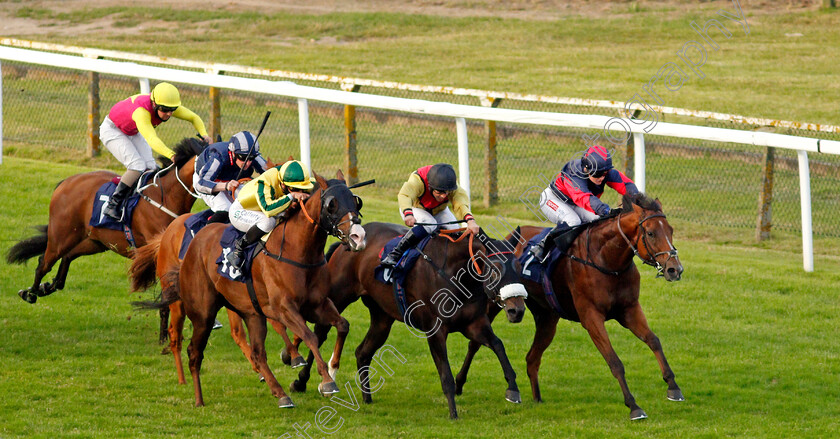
(237, 257)
(542, 249)
(409, 240)
(219, 217)
(115, 202)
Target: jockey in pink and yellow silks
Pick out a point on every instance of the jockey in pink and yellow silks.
(129, 134)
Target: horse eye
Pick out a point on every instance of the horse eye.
(650, 234)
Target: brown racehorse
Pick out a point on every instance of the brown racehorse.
(599, 281)
(290, 280)
(69, 235)
(445, 294)
(152, 262)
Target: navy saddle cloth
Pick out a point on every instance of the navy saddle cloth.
(192, 225)
(100, 200)
(229, 238)
(400, 271)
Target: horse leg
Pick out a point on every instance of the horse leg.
(299, 385)
(294, 321)
(327, 314)
(472, 349)
(202, 325)
(46, 263)
(634, 320)
(289, 354)
(380, 327)
(545, 322)
(176, 336)
(257, 330)
(593, 322)
(437, 345)
(164, 326)
(481, 332)
(237, 332)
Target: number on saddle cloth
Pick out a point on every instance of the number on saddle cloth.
(227, 242)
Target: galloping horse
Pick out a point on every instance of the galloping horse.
(597, 281)
(290, 281)
(69, 235)
(153, 261)
(448, 292)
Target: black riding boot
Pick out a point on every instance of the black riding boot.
(410, 239)
(219, 217)
(115, 202)
(542, 249)
(237, 256)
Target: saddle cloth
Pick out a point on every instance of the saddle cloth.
(397, 275)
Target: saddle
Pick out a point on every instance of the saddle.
(397, 275)
(192, 225)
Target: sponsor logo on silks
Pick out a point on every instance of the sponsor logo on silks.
(551, 204)
(228, 269)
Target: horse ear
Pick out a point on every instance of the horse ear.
(339, 175)
(320, 180)
(657, 203)
(290, 158)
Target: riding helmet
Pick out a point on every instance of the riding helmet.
(596, 159)
(244, 142)
(167, 95)
(441, 177)
(296, 174)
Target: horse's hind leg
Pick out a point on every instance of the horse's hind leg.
(176, 335)
(634, 320)
(46, 263)
(593, 322)
(480, 331)
(437, 344)
(472, 349)
(257, 331)
(546, 326)
(380, 327)
(202, 325)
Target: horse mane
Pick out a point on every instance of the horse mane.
(332, 250)
(641, 200)
(186, 149)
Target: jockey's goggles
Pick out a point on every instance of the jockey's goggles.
(600, 174)
(243, 157)
(166, 109)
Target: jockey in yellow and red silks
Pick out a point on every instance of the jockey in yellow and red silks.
(128, 132)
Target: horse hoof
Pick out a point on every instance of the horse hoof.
(638, 414)
(297, 362)
(166, 351)
(675, 395)
(296, 386)
(285, 357)
(328, 388)
(285, 403)
(513, 396)
(44, 290)
(262, 378)
(27, 296)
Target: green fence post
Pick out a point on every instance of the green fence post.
(491, 182)
(765, 199)
(350, 157)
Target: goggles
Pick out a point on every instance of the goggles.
(166, 109)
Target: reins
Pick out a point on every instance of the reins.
(643, 236)
(445, 233)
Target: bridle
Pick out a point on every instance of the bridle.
(653, 262)
(331, 223)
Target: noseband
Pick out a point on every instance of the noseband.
(672, 253)
(331, 223)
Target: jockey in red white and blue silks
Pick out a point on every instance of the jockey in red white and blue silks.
(574, 196)
(218, 167)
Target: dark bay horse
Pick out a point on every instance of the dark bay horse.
(446, 293)
(159, 256)
(600, 282)
(291, 283)
(69, 235)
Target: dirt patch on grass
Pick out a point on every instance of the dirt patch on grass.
(12, 24)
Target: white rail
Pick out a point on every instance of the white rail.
(458, 112)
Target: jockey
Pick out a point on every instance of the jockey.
(574, 196)
(260, 201)
(425, 198)
(129, 133)
(217, 169)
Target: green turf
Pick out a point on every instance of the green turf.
(750, 336)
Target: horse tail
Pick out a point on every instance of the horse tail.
(332, 250)
(143, 265)
(168, 296)
(28, 248)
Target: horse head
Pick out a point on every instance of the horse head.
(339, 212)
(653, 235)
(501, 280)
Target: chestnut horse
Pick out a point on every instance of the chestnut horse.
(598, 281)
(69, 235)
(290, 280)
(152, 262)
(462, 286)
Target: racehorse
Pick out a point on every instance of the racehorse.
(448, 292)
(290, 281)
(153, 261)
(596, 281)
(68, 234)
